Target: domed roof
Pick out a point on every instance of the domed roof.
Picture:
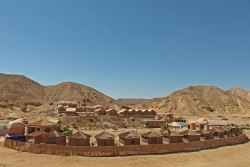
(20, 120)
(16, 129)
(202, 121)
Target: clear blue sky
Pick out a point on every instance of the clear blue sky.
(128, 48)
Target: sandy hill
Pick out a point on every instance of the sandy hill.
(202, 100)
(17, 91)
(84, 95)
(240, 92)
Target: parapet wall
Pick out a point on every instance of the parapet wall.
(123, 150)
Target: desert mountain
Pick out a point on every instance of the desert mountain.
(202, 100)
(17, 90)
(132, 102)
(240, 92)
(20, 91)
(84, 95)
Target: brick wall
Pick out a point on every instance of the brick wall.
(123, 150)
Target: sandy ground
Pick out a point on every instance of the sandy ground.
(230, 156)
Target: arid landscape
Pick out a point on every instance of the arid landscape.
(125, 83)
(21, 96)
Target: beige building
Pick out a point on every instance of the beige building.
(42, 125)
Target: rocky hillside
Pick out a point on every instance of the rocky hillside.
(20, 95)
(132, 102)
(240, 92)
(202, 100)
(84, 95)
(18, 92)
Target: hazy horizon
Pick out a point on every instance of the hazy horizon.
(128, 49)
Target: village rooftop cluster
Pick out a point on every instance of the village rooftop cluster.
(48, 132)
(73, 109)
(161, 128)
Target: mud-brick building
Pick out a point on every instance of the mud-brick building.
(173, 137)
(53, 137)
(190, 135)
(100, 111)
(206, 134)
(152, 138)
(155, 123)
(218, 132)
(105, 139)
(35, 137)
(42, 125)
(16, 129)
(129, 138)
(112, 112)
(123, 112)
(226, 130)
(79, 139)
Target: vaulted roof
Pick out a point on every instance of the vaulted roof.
(104, 135)
(80, 135)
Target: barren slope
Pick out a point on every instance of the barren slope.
(240, 92)
(200, 100)
(18, 91)
(131, 102)
(84, 95)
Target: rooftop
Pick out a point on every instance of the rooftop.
(53, 134)
(128, 135)
(151, 134)
(104, 135)
(36, 134)
(42, 122)
(80, 135)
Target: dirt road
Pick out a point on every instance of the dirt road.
(230, 156)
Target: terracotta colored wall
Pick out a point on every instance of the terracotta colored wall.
(135, 141)
(155, 140)
(16, 129)
(123, 150)
(175, 139)
(105, 142)
(193, 138)
(78, 142)
(54, 140)
(155, 124)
